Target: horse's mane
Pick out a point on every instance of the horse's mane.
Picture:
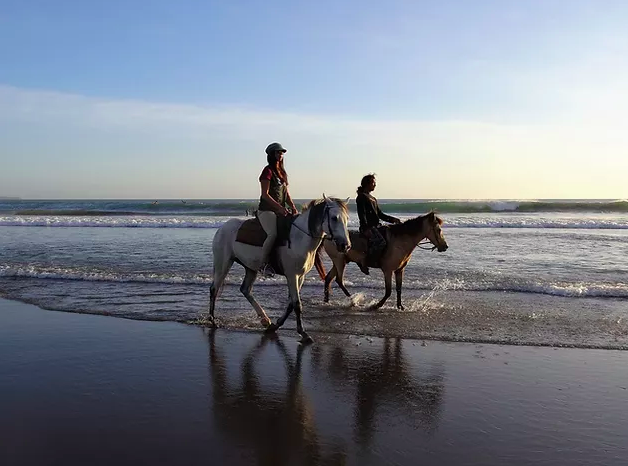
(317, 210)
(413, 225)
(342, 204)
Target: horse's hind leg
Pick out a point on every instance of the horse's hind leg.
(337, 272)
(213, 292)
(388, 284)
(245, 288)
(221, 269)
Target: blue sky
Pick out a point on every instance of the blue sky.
(485, 99)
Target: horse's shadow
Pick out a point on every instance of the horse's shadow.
(280, 425)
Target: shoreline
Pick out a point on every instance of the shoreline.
(289, 330)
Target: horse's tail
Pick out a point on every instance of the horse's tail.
(318, 262)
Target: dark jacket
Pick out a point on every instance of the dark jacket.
(370, 213)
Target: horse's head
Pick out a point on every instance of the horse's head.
(434, 233)
(335, 223)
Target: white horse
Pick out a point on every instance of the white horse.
(322, 218)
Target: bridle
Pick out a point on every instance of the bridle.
(329, 236)
(426, 241)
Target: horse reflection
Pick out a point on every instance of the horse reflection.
(278, 426)
(385, 382)
(275, 427)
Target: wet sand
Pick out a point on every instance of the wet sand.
(84, 389)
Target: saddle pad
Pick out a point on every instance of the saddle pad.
(251, 232)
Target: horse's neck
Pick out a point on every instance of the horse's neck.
(410, 240)
(300, 234)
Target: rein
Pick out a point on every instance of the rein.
(425, 241)
(325, 236)
(422, 243)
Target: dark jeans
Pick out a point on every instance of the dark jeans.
(377, 243)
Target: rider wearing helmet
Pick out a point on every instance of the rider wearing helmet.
(275, 199)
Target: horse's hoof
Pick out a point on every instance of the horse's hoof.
(272, 328)
(270, 337)
(306, 339)
(266, 322)
(400, 307)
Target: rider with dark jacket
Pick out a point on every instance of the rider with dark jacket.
(370, 215)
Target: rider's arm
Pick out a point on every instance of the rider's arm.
(386, 218)
(290, 202)
(279, 209)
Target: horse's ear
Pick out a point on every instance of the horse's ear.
(430, 216)
(347, 200)
(325, 197)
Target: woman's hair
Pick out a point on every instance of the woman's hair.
(277, 167)
(366, 180)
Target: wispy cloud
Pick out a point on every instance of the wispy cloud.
(475, 158)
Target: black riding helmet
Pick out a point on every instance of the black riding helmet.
(274, 147)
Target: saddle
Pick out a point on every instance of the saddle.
(252, 233)
(373, 251)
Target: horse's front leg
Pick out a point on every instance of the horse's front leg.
(340, 277)
(398, 282)
(328, 279)
(294, 285)
(298, 307)
(388, 283)
(294, 297)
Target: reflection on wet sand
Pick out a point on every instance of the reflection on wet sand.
(283, 425)
(383, 381)
(277, 426)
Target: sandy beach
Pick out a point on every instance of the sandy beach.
(84, 389)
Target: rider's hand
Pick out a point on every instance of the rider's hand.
(284, 212)
(294, 209)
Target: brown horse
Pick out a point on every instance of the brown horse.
(401, 238)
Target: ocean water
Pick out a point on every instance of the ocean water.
(543, 272)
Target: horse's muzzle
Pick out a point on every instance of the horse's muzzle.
(442, 247)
